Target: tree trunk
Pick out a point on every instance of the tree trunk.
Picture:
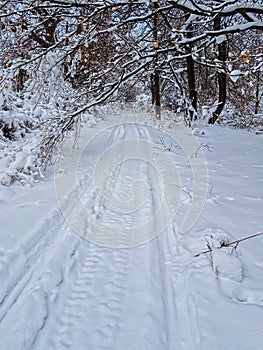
(155, 77)
(221, 75)
(191, 76)
(257, 94)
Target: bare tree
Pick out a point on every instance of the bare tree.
(72, 56)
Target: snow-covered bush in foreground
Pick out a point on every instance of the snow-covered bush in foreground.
(30, 135)
(22, 128)
(33, 121)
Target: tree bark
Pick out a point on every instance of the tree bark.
(155, 77)
(257, 94)
(191, 76)
(221, 75)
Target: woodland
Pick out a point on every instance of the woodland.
(63, 61)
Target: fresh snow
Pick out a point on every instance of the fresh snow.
(235, 75)
(62, 291)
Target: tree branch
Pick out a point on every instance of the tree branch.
(227, 244)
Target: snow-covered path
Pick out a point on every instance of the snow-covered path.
(62, 291)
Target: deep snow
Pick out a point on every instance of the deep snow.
(62, 291)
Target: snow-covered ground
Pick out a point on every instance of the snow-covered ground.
(135, 283)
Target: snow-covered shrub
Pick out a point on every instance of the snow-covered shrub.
(233, 118)
(33, 121)
(21, 131)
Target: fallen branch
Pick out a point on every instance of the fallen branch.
(227, 244)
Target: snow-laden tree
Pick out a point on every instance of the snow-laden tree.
(61, 58)
(106, 43)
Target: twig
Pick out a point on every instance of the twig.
(227, 244)
(208, 146)
(166, 148)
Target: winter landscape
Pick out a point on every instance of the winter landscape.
(131, 169)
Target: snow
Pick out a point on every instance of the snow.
(220, 39)
(60, 290)
(235, 75)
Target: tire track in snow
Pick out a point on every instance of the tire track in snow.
(175, 275)
(31, 260)
(92, 301)
(181, 269)
(110, 301)
(102, 311)
(30, 299)
(153, 307)
(80, 308)
(27, 263)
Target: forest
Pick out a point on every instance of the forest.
(131, 175)
(63, 61)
